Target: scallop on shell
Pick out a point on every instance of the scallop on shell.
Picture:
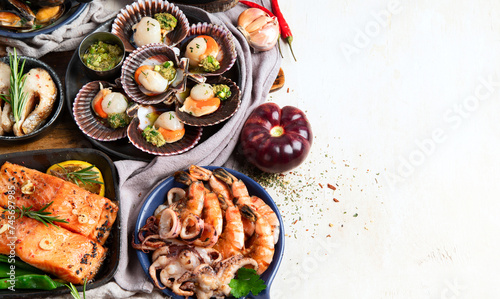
(224, 39)
(151, 54)
(226, 109)
(91, 124)
(191, 137)
(133, 13)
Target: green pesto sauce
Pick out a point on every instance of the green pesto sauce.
(166, 20)
(153, 136)
(101, 56)
(166, 70)
(118, 120)
(209, 64)
(222, 91)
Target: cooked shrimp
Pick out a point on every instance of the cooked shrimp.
(200, 173)
(219, 187)
(38, 86)
(261, 247)
(249, 204)
(232, 239)
(212, 216)
(248, 226)
(193, 202)
(212, 213)
(189, 209)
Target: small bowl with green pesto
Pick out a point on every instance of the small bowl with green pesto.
(102, 54)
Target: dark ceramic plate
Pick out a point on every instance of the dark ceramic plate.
(58, 104)
(76, 78)
(72, 9)
(43, 159)
(157, 196)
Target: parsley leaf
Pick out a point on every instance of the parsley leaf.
(247, 281)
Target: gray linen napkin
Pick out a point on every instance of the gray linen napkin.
(67, 37)
(258, 72)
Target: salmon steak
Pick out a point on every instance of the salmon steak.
(87, 213)
(55, 250)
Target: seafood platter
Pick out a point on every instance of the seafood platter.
(199, 227)
(86, 245)
(19, 19)
(150, 82)
(178, 82)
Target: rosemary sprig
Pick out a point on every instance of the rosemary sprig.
(16, 97)
(85, 175)
(74, 291)
(40, 215)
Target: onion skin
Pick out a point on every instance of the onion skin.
(261, 30)
(277, 153)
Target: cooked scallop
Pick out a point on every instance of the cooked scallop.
(147, 31)
(201, 47)
(170, 127)
(151, 80)
(114, 102)
(201, 101)
(202, 92)
(168, 120)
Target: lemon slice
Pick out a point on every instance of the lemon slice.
(62, 169)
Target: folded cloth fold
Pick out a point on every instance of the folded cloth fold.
(258, 72)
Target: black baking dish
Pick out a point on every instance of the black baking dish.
(41, 160)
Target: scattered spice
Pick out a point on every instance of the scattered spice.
(320, 185)
(332, 187)
(335, 200)
(355, 215)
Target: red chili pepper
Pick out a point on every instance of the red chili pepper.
(285, 29)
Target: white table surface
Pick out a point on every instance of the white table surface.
(403, 98)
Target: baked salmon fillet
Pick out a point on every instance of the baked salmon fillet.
(55, 250)
(87, 213)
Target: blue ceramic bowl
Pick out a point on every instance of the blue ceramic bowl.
(158, 195)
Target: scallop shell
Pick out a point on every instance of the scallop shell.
(222, 36)
(190, 139)
(90, 124)
(227, 108)
(132, 14)
(138, 58)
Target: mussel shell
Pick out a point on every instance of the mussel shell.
(227, 108)
(190, 139)
(91, 124)
(134, 61)
(224, 39)
(24, 9)
(132, 14)
(13, 20)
